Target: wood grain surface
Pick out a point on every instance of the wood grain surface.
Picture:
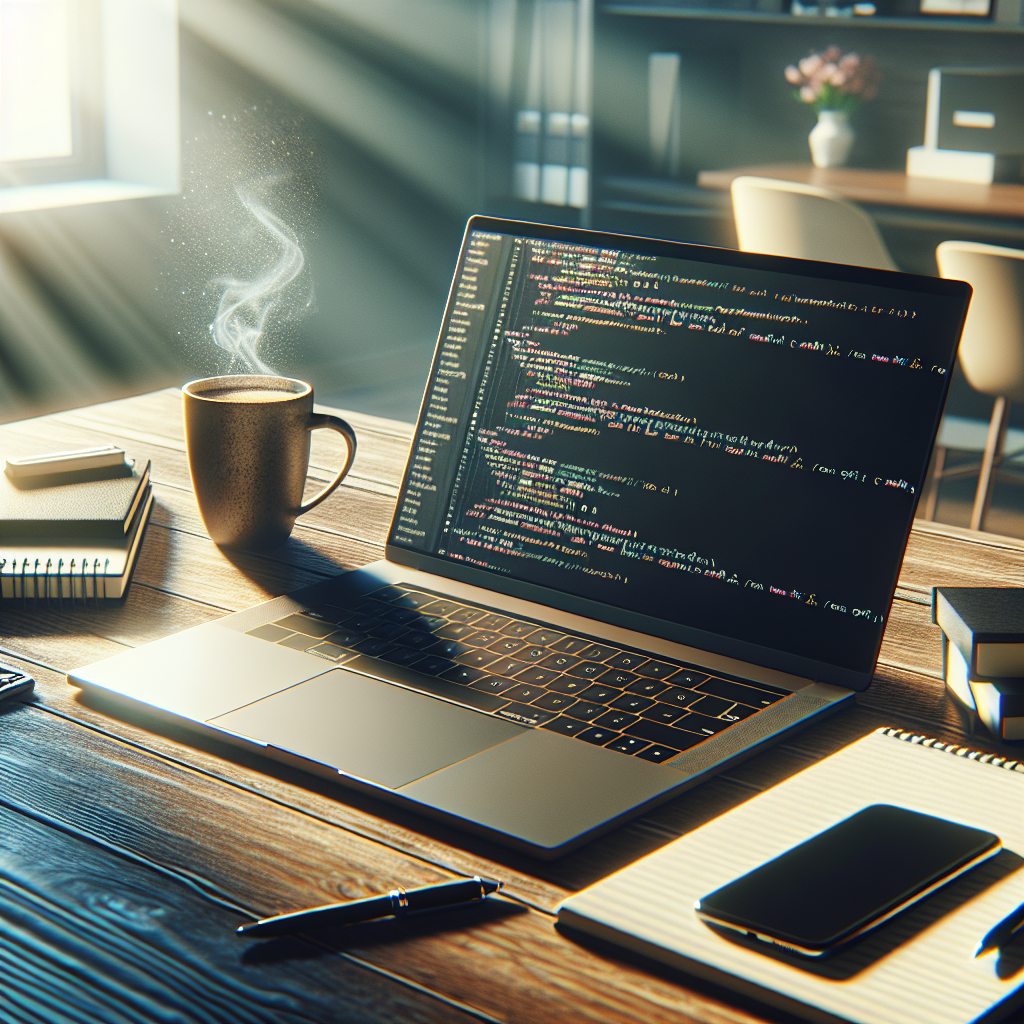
(887, 188)
(128, 855)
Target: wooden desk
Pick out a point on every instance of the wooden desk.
(128, 856)
(888, 188)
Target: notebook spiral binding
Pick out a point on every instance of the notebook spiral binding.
(954, 749)
(49, 583)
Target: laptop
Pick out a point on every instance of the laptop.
(652, 519)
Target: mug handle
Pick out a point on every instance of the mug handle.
(317, 420)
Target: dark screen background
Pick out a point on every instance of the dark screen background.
(730, 449)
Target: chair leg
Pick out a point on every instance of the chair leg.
(987, 478)
(932, 482)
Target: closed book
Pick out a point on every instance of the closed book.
(95, 504)
(1000, 705)
(75, 569)
(986, 624)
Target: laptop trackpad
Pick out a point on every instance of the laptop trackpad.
(367, 728)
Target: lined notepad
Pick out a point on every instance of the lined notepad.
(918, 967)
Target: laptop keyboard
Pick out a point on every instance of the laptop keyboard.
(526, 672)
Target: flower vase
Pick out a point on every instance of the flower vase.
(831, 139)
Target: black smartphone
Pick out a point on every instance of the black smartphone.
(848, 879)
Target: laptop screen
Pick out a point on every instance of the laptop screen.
(729, 444)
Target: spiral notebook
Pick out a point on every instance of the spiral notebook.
(75, 569)
(919, 966)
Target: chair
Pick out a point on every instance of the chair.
(786, 218)
(991, 355)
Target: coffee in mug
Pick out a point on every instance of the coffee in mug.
(247, 438)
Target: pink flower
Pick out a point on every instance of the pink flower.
(810, 65)
(808, 94)
(793, 75)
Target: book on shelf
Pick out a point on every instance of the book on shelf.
(986, 625)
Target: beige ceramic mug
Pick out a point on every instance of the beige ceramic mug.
(248, 453)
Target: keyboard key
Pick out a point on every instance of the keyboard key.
(446, 648)
(505, 667)
(519, 629)
(388, 630)
(626, 661)
(412, 599)
(657, 753)
(480, 637)
(532, 654)
(664, 713)
(463, 674)
(545, 637)
(404, 656)
(657, 669)
(415, 639)
(587, 670)
(600, 694)
(570, 645)
(373, 646)
(566, 684)
(430, 623)
(632, 702)
(495, 684)
(679, 697)
(524, 694)
(598, 736)
(598, 652)
(492, 621)
(525, 713)
(345, 636)
(647, 687)
(307, 626)
(466, 615)
(627, 745)
(477, 657)
(561, 662)
(658, 733)
(440, 608)
(299, 642)
(739, 712)
(507, 645)
(331, 651)
(425, 684)
(454, 631)
(585, 710)
(328, 613)
(689, 678)
(713, 706)
(407, 616)
(535, 676)
(554, 701)
(693, 722)
(270, 632)
(432, 665)
(566, 726)
(617, 720)
(616, 677)
(364, 623)
(752, 696)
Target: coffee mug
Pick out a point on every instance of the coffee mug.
(247, 438)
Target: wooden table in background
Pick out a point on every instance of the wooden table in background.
(888, 188)
(128, 856)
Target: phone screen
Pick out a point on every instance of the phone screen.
(847, 879)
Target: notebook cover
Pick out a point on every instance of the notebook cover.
(919, 966)
(98, 507)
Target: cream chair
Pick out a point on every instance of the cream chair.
(786, 218)
(991, 354)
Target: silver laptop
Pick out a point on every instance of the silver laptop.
(653, 517)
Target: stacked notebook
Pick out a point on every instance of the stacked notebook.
(72, 537)
(920, 966)
(983, 653)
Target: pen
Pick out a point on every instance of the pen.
(396, 903)
(1001, 934)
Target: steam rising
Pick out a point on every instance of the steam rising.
(245, 306)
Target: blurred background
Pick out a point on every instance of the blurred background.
(188, 187)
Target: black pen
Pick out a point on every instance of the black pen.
(1003, 932)
(396, 903)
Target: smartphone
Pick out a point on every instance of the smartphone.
(848, 879)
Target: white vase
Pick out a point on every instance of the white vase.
(831, 139)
